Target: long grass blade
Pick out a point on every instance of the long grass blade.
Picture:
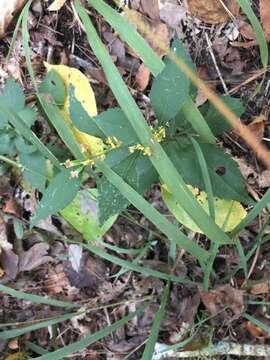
(36, 298)
(257, 322)
(168, 174)
(151, 342)
(151, 60)
(134, 267)
(8, 334)
(88, 340)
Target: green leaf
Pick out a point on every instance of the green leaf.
(166, 170)
(53, 85)
(82, 214)
(23, 146)
(170, 88)
(138, 172)
(60, 192)
(34, 169)
(226, 178)
(110, 123)
(12, 96)
(28, 115)
(7, 143)
(218, 123)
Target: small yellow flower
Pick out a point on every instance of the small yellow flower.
(159, 134)
(139, 147)
(113, 142)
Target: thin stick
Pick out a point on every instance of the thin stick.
(215, 63)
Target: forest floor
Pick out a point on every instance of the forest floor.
(227, 57)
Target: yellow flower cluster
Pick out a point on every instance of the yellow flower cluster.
(139, 147)
(159, 134)
(113, 142)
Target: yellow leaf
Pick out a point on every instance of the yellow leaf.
(228, 213)
(84, 93)
(57, 5)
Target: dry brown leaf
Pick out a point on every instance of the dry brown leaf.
(224, 300)
(157, 27)
(57, 5)
(201, 97)
(172, 14)
(265, 16)
(254, 330)
(261, 288)
(257, 126)
(34, 257)
(212, 11)
(264, 180)
(150, 8)
(8, 9)
(142, 77)
(246, 30)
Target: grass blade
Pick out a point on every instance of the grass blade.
(151, 60)
(159, 159)
(36, 298)
(151, 342)
(247, 9)
(134, 267)
(8, 334)
(55, 117)
(88, 340)
(257, 322)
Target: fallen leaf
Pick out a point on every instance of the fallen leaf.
(150, 8)
(172, 14)
(57, 5)
(158, 28)
(224, 300)
(264, 179)
(265, 16)
(14, 344)
(34, 257)
(201, 97)
(228, 213)
(75, 256)
(212, 11)
(261, 288)
(142, 77)
(257, 126)
(254, 330)
(246, 30)
(84, 93)
(8, 9)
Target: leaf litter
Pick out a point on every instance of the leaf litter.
(46, 268)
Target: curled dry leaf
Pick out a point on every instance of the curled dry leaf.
(224, 300)
(34, 257)
(257, 126)
(142, 77)
(213, 11)
(8, 9)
